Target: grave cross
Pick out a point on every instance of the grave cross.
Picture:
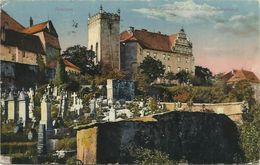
(74, 98)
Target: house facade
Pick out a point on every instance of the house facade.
(20, 47)
(174, 51)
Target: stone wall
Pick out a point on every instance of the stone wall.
(197, 137)
(233, 110)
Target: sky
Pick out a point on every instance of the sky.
(225, 34)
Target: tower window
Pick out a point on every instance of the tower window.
(96, 52)
(148, 53)
(91, 47)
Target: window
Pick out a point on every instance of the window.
(10, 50)
(91, 47)
(154, 55)
(96, 52)
(23, 52)
(164, 56)
(13, 57)
(148, 53)
(178, 69)
(169, 57)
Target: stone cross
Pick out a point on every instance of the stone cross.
(31, 104)
(74, 98)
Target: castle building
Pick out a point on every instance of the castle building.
(174, 51)
(103, 37)
(235, 76)
(20, 47)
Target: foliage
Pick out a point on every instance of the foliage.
(148, 156)
(67, 143)
(152, 68)
(134, 108)
(170, 76)
(41, 74)
(153, 106)
(82, 58)
(182, 96)
(60, 75)
(203, 76)
(182, 76)
(250, 136)
(143, 82)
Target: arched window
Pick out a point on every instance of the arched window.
(91, 47)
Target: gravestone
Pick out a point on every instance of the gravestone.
(41, 145)
(31, 103)
(92, 106)
(23, 107)
(11, 106)
(18, 126)
(46, 112)
(120, 89)
(112, 114)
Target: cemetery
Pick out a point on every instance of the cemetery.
(48, 123)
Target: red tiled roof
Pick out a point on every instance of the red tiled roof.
(150, 40)
(23, 41)
(36, 28)
(70, 65)
(10, 22)
(240, 75)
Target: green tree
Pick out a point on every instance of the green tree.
(182, 76)
(203, 76)
(82, 58)
(250, 136)
(170, 76)
(60, 75)
(152, 68)
(41, 75)
(143, 82)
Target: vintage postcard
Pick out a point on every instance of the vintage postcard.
(130, 81)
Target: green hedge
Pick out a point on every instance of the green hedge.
(18, 147)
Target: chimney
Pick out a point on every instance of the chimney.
(31, 22)
(131, 29)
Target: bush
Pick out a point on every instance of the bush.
(148, 156)
(67, 143)
(250, 136)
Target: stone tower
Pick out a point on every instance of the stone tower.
(103, 37)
